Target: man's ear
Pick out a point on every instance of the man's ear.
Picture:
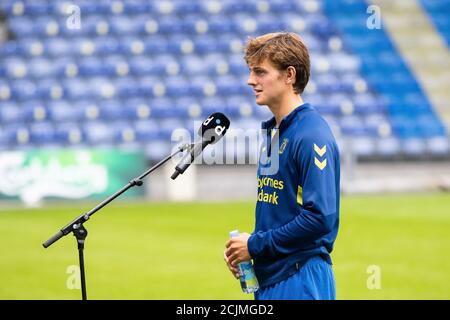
(290, 75)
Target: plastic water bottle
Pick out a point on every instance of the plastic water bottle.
(247, 277)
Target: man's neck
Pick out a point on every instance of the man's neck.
(285, 107)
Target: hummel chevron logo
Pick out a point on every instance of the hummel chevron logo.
(320, 151)
(319, 164)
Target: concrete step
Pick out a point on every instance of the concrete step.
(423, 48)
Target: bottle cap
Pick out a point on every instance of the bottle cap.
(234, 233)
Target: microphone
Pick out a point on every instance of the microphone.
(211, 131)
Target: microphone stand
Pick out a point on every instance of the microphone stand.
(80, 232)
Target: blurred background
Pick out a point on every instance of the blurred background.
(92, 94)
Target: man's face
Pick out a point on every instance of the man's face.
(267, 83)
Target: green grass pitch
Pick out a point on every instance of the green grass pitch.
(175, 251)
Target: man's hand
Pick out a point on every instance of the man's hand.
(234, 270)
(236, 252)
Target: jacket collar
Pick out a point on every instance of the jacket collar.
(270, 124)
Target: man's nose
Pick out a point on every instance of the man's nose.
(251, 81)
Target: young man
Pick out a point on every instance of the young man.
(297, 212)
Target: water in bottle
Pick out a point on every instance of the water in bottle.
(247, 277)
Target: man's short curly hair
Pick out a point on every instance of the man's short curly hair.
(282, 49)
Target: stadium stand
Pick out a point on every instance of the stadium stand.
(136, 70)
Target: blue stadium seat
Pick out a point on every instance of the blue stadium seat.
(177, 86)
(147, 86)
(123, 132)
(136, 108)
(4, 141)
(198, 86)
(167, 126)
(147, 130)
(219, 25)
(10, 48)
(10, 113)
(413, 147)
(107, 45)
(62, 111)
(231, 43)
(64, 67)
(327, 83)
(155, 150)
(210, 105)
(123, 25)
(15, 68)
(21, 26)
(111, 110)
(233, 6)
(215, 64)
(48, 89)
(188, 107)
(57, 47)
(16, 135)
(194, 24)
(238, 65)
(39, 68)
(281, 6)
(348, 82)
(182, 7)
(133, 7)
(377, 125)
(42, 133)
(233, 105)
(101, 7)
(91, 66)
(320, 26)
(156, 45)
(169, 25)
(438, 146)
(352, 126)
(98, 133)
(95, 25)
(249, 125)
(388, 147)
(132, 46)
(332, 104)
(23, 89)
(363, 146)
(34, 111)
(193, 65)
(366, 103)
(230, 85)
(142, 66)
(68, 133)
(205, 44)
(127, 88)
(430, 126)
(76, 89)
(343, 63)
(163, 108)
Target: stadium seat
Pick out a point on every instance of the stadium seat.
(98, 133)
(163, 108)
(10, 113)
(147, 130)
(167, 126)
(171, 62)
(23, 90)
(42, 133)
(62, 111)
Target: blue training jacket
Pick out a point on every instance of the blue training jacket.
(297, 211)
